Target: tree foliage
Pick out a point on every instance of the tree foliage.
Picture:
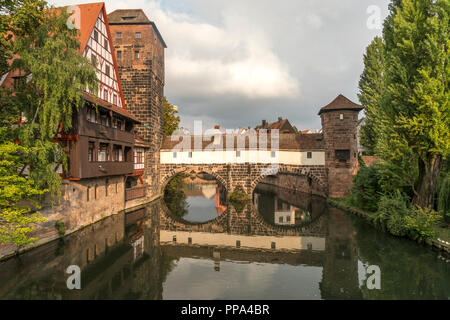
(370, 91)
(405, 88)
(171, 120)
(46, 52)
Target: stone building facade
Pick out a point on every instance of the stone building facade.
(339, 125)
(139, 49)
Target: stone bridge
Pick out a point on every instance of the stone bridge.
(326, 161)
(247, 176)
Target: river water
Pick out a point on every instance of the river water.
(285, 245)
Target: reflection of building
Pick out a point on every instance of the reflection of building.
(208, 190)
(285, 208)
(254, 242)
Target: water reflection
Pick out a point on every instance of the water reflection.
(153, 253)
(196, 198)
(287, 208)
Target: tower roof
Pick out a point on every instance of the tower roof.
(128, 16)
(341, 103)
(133, 17)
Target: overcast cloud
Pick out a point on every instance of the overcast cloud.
(236, 62)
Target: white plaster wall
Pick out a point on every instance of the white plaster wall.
(246, 156)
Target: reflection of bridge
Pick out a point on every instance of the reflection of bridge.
(326, 161)
(327, 242)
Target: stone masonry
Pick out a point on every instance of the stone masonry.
(140, 55)
(246, 176)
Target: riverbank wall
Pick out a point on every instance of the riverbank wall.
(436, 244)
(81, 204)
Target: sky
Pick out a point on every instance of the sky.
(234, 63)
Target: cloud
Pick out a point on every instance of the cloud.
(205, 60)
(235, 62)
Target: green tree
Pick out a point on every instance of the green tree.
(370, 90)
(171, 120)
(55, 74)
(414, 124)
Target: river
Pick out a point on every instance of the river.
(284, 245)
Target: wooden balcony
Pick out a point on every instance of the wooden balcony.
(135, 193)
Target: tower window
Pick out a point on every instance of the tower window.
(273, 154)
(238, 154)
(342, 155)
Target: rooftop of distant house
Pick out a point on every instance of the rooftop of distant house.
(283, 125)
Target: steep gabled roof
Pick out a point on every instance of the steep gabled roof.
(341, 103)
(89, 14)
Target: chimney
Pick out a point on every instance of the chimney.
(217, 127)
(280, 118)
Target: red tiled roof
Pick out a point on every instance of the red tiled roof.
(89, 14)
(105, 104)
(287, 141)
(370, 160)
(341, 103)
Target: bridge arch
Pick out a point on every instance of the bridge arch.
(172, 172)
(322, 187)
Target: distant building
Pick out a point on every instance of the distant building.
(283, 125)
